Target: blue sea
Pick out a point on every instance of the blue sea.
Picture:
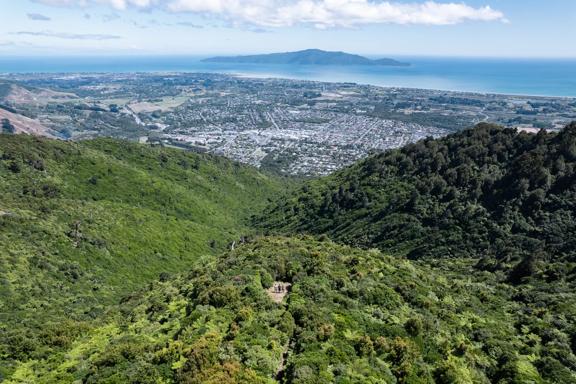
(543, 77)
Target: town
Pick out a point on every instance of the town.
(292, 127)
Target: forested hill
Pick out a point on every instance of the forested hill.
(307, 57)
(506, 197)
(82, 224)
(347, 316)
(109, 272)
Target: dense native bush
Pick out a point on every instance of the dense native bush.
(216, 324)
(81, 224)
(487, 215)
(505, 196)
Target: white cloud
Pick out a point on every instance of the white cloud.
(118, 4)
(68, 36)
(318, 13)
(38, 17)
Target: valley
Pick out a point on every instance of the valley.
(84, 224)
(287, 192)
(202, 228)
(124, 262)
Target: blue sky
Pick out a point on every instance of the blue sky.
(491, 28)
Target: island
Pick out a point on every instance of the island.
(307, 57)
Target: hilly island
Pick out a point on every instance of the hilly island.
(307, 57)
(449, 260)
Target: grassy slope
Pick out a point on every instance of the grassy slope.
(82, 224)
(352, 316)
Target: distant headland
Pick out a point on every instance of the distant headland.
(307, 57)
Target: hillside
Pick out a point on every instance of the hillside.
(11, 94)
(82, 224)
(15, 123)
(115, 265)
(349, 316)
(16, 93)
(306, 57)
(489, 193)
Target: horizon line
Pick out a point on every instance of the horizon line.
(222, 53)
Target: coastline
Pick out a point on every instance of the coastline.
(508, 77)
(269, 76)
(471, 93)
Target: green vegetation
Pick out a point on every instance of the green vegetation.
(351, 316)
(82, 224)
(7, 126)
(5, 89)
(459, 267)
(489, 193)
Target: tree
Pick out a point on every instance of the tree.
(7, 127)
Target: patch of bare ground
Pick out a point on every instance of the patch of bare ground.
(21, 95)
(278, 291)
(23, 124)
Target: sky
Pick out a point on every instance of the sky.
(466, 28)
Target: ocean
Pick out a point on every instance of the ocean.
(543, 77)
